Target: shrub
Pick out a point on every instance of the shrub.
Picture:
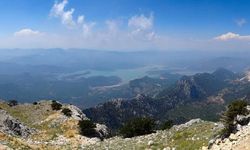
(136, 127)
(87, 128)
(67, 112)
(12, 103)
(56, 106)
(35, 103)
(167, 125)
(228, 117)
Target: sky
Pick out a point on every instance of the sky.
(126, 25)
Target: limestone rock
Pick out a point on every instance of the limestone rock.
(243, 120)
(150, 143)
(103, 131)
(12, 126)
(232, 137)
(77, 113)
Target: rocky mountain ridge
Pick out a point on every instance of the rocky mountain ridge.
(191, 97)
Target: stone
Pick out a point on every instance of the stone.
(211, 142)
(204, 148)
(248, 107)
(238, 127)
(167, 148)
(243, 120)
(103, 130)
(150, 143)
(232, 137)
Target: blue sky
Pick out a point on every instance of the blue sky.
(125, 24)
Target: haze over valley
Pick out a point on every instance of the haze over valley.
(80, 76)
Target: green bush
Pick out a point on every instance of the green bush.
(138, 126)
(228, 117)
(56, 106)
(87, 128)
(13, 103)
(67, 112)
(167, 125)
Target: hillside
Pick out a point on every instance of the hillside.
(38, 126)
(192, 135)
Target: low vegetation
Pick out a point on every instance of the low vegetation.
(56, 106)
(67, 112)
(12, 103)
(138, 126)
(87, 128)
(167, 124)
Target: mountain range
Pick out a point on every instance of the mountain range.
(202, 95)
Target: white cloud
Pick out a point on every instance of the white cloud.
(141, 22)
(67, 18)
(80, 19)
(58, 10)
(241, 22)
(232, 36)
(27, 32)
(142, 27)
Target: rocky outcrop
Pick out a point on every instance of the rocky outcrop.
(12, 126)
(236, 141)
(102, 130)
(239, 140)
(188, 124)
(76, 113)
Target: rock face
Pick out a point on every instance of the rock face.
(12, 126)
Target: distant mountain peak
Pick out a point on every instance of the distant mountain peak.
(223, 73)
